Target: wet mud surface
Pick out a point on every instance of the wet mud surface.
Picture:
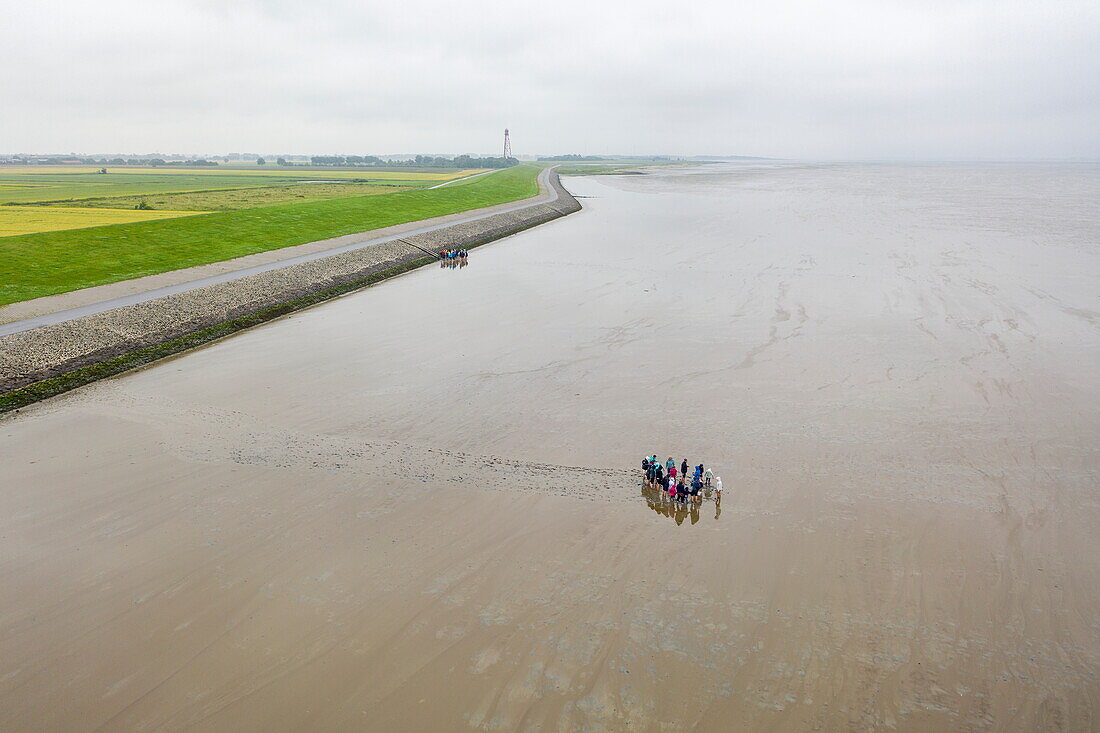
(418, 507)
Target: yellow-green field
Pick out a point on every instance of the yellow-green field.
(244, 198)
(81, 196)
(48, 262)
(30, 219)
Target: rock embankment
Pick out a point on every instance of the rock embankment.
(61, 356)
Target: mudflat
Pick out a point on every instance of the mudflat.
(418, 507)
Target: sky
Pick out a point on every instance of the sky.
(845, 79)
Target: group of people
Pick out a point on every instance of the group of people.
(674, 483)
(453, 258)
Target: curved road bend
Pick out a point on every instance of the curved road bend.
(548, 195)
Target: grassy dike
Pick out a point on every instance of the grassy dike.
(47, 263)
(126, 359)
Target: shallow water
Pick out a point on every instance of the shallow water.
(894, 368)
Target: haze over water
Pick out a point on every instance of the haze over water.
(418, 506)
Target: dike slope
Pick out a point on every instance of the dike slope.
(48, 360)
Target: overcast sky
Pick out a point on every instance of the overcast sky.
(993, 79)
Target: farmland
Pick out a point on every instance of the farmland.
(243, 198)
(30, 219)
(171, 191)
(45, 263)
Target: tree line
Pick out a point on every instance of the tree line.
(77, 160)
(419, 161)
(571, 157)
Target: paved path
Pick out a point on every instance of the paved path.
(456, 180)
(547, 194)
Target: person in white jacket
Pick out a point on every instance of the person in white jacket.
(718, 489)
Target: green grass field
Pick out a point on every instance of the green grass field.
(71, 185)
(243, 198)
(45, 263)
(69, 188)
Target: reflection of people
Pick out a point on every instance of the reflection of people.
(657, 503)
(677, 510)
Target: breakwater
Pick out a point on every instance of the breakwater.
(51, 359)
